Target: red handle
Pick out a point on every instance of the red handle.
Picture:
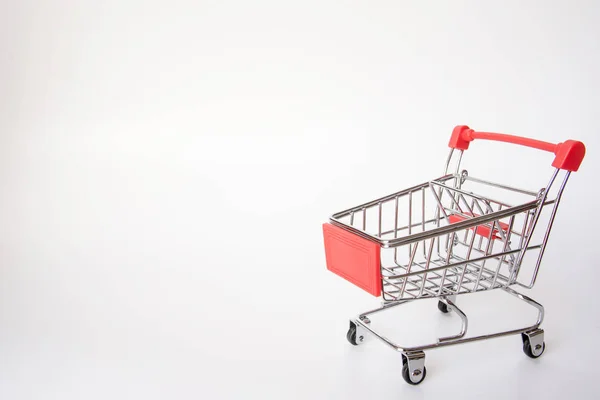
(569, 154)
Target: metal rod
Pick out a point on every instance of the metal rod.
(427, 263)
(395, 229)
(389, 197)
(364, 221)
(534, 221)
(549, 228)
(463, 318)
(463, 262)
(409, 219)
(461, 340)
(380, 217)
(505, 248)
(409, 266)
(501, 186)
(461, 225)
(485, 200)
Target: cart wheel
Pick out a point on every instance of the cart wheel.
(443, 307)
(533, 353)
(351, 335)
(533, 343)
(418, 379)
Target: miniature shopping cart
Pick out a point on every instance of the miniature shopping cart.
(449, 237)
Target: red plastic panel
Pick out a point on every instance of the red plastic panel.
(482, 230)
(354, 258)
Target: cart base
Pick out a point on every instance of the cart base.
(413, 358)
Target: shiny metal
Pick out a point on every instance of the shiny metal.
(361, 333)
(459, 338)
(547, 233)
(415, 361)
(536, 341)
(456, 241)
(463, 317)
(495, 261)
(498, 185)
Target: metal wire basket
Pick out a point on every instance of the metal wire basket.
(444, 238)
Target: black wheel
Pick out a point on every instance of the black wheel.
(406, 375)
(443, 307)
(528, 350)
(351, 335)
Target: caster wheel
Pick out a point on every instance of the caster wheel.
(443, 307)
(351, 335)
(533, 352)
(417, 378)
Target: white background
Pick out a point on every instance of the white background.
(165, 168)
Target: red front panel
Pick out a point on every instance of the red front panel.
(481, 230)
(353, 258)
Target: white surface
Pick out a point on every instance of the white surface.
(165, 168)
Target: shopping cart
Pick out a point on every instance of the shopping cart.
(445, 238)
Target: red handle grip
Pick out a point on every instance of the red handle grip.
(568, 154)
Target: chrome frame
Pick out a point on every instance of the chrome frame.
(446, 275)
(364, 326)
